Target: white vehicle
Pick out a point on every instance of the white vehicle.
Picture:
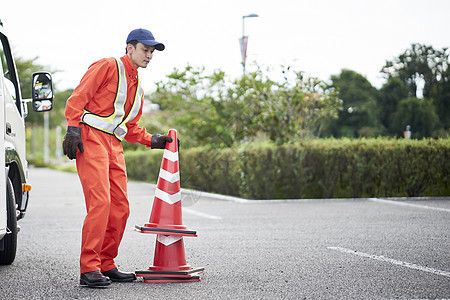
(13, 110)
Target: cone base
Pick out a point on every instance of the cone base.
(165, 231)
(155, 276)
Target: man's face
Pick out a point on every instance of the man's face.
(140, 55)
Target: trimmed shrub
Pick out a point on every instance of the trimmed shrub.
(323, 168)
(143, 165)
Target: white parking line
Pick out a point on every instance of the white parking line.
(408, 204)
(392, 261)
(200, 214)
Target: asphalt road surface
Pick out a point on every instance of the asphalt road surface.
(306, 249)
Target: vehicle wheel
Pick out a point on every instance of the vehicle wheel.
(8, 254)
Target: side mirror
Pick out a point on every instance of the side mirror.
(42, 91)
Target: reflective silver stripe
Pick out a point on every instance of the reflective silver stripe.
(121, 94)
(137, 100)
(115, 123)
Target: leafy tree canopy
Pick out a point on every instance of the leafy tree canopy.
(420, 114)
(213, 110)
(360, 114)
(419, 63)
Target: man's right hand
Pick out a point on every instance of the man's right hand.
(72, 142)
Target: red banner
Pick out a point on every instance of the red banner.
(243, 41)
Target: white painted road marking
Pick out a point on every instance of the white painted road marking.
(392, 261)
(408, 204)
(200, 214)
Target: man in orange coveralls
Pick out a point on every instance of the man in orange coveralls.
(103, 110)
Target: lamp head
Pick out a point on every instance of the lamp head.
(250, 16)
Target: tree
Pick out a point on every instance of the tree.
(391, 93)
(188, 104)
(212, 110)
(420, 63)
(298, 108)
(420, 114)
(441, 94)
(360, 114)
(423, 65)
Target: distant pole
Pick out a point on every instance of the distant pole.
(46, 148)
(58, 142)
(244, 40)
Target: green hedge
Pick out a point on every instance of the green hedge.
(324, 168)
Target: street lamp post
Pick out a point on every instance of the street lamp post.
(244, 40)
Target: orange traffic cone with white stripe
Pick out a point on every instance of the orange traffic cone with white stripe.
(166, 221)
(166, 215)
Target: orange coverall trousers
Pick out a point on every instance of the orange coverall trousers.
(102, 172)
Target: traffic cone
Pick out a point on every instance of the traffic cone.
(169, 263)
(166, 216)
(169, 254)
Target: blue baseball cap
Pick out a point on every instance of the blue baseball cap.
(145, 37)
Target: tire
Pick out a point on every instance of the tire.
(8, 254)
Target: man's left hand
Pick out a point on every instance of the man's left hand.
(159, 141)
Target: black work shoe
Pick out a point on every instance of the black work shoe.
(94, 279)
(120, 276)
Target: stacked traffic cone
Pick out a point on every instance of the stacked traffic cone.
(169, 264)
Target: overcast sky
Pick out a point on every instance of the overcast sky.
(319, 37)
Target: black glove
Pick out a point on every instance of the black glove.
(72, 142)
(159, 141)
